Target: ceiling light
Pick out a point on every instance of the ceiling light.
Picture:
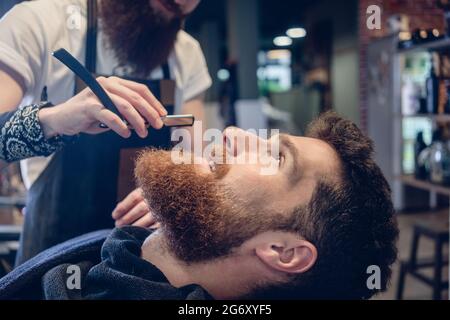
(282, 41)
(223, 74)
(279, 54)
(296, 33)
(405, 36)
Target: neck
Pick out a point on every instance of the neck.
(234, 280)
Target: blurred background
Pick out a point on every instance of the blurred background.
(278, 64)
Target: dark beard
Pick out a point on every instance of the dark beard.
(140, 38)
(200, 217)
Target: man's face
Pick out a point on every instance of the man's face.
(206, 211)
(302, 161)
(174, 8)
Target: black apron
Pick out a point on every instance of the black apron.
(80, 187)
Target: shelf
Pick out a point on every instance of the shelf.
(433, 45)
(434, 117)
(10, 232)
(424, 185)
(14, 201)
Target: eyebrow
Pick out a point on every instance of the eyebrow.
(295, 173)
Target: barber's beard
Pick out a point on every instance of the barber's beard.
(201, 218)
(140, 37)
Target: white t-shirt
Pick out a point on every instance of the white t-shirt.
(31, 31)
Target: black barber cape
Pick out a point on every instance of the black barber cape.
(110, 268)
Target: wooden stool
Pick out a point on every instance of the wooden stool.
(439, 234)
(9, 235)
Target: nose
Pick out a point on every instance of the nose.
(237, 141)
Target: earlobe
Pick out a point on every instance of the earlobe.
(298, 258)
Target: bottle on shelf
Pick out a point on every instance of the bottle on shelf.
(442, 97)
(420, 170)
(410, 98)
(419, 36)
(445, 6)
(432, 90)
(439, 159)
(447, 96)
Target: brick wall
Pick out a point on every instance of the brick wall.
(422, 14)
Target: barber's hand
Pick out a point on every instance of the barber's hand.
(84, 112)
(133, 210)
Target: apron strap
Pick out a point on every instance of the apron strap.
(166, 71)
(91, 38)
(91, 44)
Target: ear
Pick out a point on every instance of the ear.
(289, 255)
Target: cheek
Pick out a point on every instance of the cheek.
(240, 179)
(253, 188)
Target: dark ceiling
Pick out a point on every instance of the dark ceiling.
(275, 19)
(275, 16)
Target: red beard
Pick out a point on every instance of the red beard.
(201, 218)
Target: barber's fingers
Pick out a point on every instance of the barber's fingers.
(139, 211)
(130, 114)
(145, 92)
(156, 225)
(111, 120)
(137, 101)
(128, 203)
(146, 221)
